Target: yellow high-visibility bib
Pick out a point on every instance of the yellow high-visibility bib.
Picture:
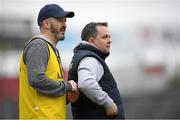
(35, 105)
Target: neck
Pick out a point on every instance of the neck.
(50, 37)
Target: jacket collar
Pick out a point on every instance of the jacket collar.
(87, 46)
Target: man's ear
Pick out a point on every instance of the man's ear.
(46, 24)
(91, 40)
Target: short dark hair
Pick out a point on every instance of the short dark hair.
(90, 30)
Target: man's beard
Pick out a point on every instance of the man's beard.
(56, 33)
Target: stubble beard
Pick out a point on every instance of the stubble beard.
(56, 33)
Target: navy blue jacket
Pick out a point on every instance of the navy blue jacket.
(84, 108)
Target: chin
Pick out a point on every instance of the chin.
(107, 51)
(61, 38)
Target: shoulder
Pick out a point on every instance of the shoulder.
(85, 55)
(89, 62)
(92, 66)
(36, 46)
(35, 43)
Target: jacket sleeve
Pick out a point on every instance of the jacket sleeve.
(90, 72)
(36, 58)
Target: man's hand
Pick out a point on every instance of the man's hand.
(74, 85)
(72, 96)
(112, 111)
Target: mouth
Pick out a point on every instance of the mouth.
(63, 29)
(63, 32)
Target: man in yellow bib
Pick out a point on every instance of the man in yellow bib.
(42, 93)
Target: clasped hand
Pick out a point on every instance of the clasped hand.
(72, 96)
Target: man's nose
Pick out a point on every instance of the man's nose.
(109, 41)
